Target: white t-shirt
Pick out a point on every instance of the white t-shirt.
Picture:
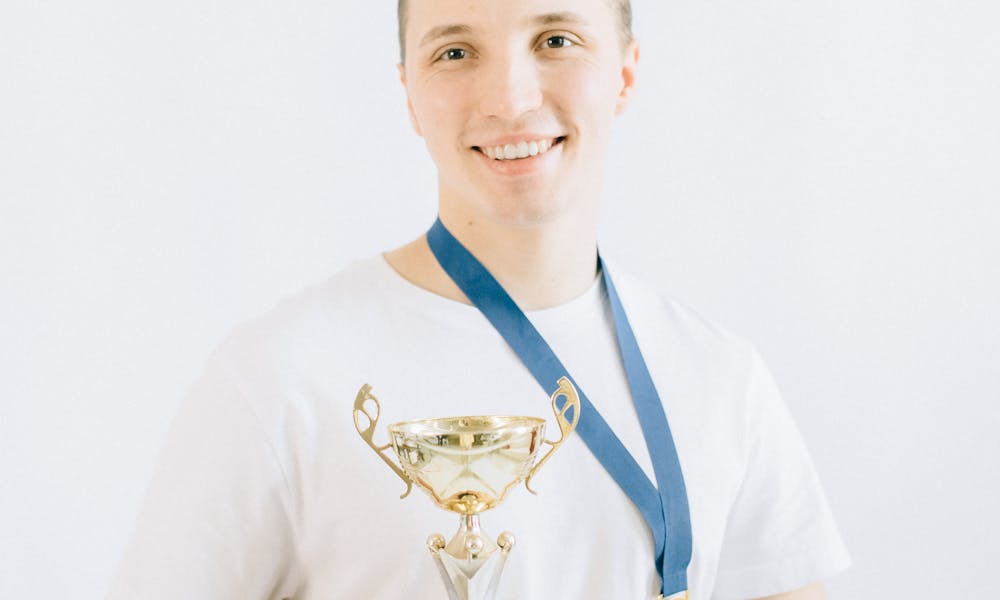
(265, 490)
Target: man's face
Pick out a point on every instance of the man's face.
(515, 100)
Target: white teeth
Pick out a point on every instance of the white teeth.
(522, 149)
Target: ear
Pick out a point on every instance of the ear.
(630, 62)
(409, 105)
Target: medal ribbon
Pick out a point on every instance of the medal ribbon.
(665, 506)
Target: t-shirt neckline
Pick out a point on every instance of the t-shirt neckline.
(585, 301)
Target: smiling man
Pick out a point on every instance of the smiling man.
(516, 102)
(686, 476)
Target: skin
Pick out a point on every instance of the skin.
(623, 9)
(506, 74)
(815, 591)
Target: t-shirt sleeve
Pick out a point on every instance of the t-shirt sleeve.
(216, 521)
(780, 533)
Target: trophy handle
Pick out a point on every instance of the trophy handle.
(566, 426)
(368, 433)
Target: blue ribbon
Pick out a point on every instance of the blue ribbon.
(664, 506)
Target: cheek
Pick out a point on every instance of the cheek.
(586, 94)
(438, 108)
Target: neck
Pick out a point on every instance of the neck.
(540, 266)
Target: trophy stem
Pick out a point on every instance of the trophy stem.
(471, 563)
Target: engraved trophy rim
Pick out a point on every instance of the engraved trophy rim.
(433, 426)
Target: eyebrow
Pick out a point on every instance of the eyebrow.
(558, 17)
(443, 31)
(546, 19)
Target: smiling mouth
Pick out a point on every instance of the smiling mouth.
(520, 150)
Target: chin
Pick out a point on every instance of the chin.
(520, 211)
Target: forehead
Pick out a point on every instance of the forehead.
(492, 15)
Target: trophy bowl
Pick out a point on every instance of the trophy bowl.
(467, 465)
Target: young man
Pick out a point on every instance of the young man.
(264, 489)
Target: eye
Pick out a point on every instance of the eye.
(557, 41)
(454, 54)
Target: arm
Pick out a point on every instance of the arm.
(218, 519)
(815, 591)
(780, 533)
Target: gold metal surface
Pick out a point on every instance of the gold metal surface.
(468, 464)
(368, 433)
(678, 596)
(566, 426)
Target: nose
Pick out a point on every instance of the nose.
(510, 87)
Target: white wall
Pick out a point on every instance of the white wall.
(821, 177)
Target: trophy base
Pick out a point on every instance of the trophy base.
(471, 563)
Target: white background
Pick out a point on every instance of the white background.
(822, 177)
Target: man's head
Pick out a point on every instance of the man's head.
(622, 7)
(515, 100)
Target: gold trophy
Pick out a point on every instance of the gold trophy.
(468, 465)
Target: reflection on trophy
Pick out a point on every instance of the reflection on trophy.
(468, 465)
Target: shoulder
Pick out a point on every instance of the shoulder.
(310, 328)
(664, 320)
(711, 379)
